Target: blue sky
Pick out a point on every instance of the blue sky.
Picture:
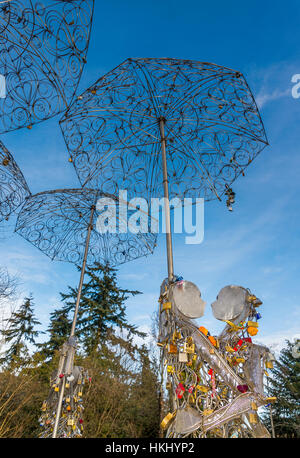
(257, 245)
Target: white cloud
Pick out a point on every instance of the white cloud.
(276, 341)
(264, 97)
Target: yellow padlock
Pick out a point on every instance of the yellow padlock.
(253, 418)
(253, 324)
(166, 306)
(270, 400)
(202, 388)
(167, 420)
(253, 405)
(240, 360)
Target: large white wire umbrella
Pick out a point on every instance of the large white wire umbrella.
(170, 127)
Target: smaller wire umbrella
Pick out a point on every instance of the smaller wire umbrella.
(13, 186)
(64, 225)
(43, 52)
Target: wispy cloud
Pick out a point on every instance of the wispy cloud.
(264, 97)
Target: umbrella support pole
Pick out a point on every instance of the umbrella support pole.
(70, 359)
(166, 201)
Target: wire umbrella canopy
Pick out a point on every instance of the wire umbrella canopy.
(56, 222)
(64, 225)
(13, 186)
(43, 52)
(170, 127)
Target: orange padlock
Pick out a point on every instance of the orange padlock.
(203, 330)
(212, 340)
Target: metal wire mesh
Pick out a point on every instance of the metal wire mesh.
(13, 187)
(43, 52)
(56, 222)
(213, 128)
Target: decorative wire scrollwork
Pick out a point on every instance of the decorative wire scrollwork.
(56, 222)
(13, 187)
(43, 52)
(213, 128)
(214, 383)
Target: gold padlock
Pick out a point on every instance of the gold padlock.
(253, 418)
(167, 420)
(240, 360)
(202, 388)
(253, 405)
(270, 400)
(252, 324)
(166, 306)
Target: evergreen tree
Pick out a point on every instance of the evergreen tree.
(20, 331)
(284, 384)
(58, 330)
(102, 311)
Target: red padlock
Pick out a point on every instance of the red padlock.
(242, 388)
(180, 390)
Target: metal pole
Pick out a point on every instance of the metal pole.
(82, 271)
(167, 203)
(272, 423)
(58, 412)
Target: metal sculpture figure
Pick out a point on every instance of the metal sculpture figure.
(63, 224)
(215, 383)
(13, 187)
(71, 421)
(43, 52)
(164, 127)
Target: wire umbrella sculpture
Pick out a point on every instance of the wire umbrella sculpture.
(43, 52)
(170, 127)
(64, 225)
(13, 186)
